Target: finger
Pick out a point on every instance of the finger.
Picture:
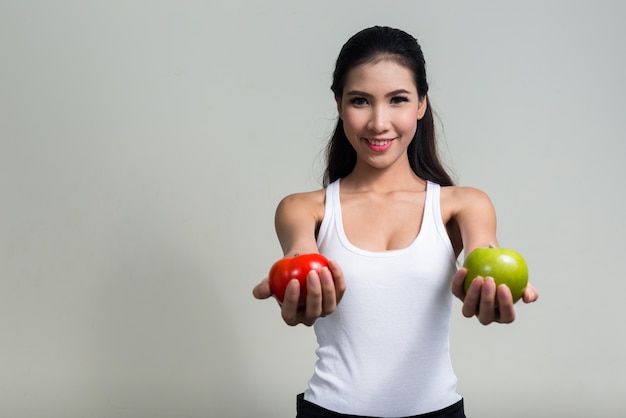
(329, 298)
(472, 298)
(530, 294)
(458, 283)
(506, 310)
(289, 307)
(340, 283)
(262, 290)
(487, 307)
(313, 308)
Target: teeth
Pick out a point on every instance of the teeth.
(378, 142)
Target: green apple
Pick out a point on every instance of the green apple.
(506, 266)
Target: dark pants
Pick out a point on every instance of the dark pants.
(307, 409)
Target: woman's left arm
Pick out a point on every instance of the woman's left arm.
(475, 216)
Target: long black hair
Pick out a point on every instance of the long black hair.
(371, 45)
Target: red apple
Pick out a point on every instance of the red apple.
(296, 267)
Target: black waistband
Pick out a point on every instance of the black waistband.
(308, 409)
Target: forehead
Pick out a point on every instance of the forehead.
(380, 75)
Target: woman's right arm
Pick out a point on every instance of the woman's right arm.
(297, 217)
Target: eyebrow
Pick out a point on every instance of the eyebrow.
(364, 94)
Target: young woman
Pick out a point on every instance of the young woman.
(392, 224)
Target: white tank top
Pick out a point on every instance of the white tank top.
(385, 350)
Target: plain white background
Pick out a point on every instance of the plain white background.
(144, 146)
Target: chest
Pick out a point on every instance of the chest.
(383, 222)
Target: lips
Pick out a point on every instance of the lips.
(378, 144)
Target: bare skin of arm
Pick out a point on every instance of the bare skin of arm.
(471, 222)
(296, 221)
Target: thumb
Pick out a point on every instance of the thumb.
(262, 290)
(458, 282)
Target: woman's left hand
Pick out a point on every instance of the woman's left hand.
(480, 299)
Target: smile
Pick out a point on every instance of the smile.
(378, 144)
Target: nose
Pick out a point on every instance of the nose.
(379, 120)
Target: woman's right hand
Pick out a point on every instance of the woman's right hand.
(324, 292)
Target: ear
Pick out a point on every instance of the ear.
(422, 106)
(338, 101)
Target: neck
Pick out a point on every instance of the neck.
(367, 178)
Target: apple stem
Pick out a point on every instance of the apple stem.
(491, 245)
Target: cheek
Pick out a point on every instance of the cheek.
(408, 123)
(353, 121)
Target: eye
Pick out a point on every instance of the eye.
(399, 99)
(358, 101)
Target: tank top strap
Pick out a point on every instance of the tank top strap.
(432, 214)
(331, 210)
(332, 195)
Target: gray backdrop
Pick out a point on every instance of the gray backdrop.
(145, 145)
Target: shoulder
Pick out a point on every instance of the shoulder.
(470, 215)
(457, 198)
(303, 200)
(296, 221)
(304, 204)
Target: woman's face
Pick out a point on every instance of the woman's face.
(380, 108)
